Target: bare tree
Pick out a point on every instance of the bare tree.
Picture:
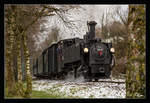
(22, 19)
(120, 14)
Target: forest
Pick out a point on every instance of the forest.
(25, 25)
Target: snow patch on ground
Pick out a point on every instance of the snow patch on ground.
(79, 89)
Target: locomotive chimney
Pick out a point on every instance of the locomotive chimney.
(91, 26)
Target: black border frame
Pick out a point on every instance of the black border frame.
(3, 100)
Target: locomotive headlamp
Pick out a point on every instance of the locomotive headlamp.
(112, 50)
(86, 50)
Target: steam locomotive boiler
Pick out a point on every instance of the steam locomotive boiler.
(88, 57)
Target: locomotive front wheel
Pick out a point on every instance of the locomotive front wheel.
(108, 74)
(96, 80)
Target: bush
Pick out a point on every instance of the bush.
(120, 68)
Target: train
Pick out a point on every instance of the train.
(88, 57)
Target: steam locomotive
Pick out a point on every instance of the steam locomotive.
(88, 57)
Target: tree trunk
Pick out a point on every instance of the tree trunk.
(135, 80)
(20, 85)
(27, 63)
(10, 80)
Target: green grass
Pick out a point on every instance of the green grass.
(35, 94)
(50, 93)
(42, 94)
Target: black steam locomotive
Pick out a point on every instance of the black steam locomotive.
(88, 57)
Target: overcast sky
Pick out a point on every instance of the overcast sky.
(80, 16)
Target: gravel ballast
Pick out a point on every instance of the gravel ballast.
(80, 89)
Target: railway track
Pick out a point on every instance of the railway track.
(94, 83)
(99, 81)
(110, 81)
